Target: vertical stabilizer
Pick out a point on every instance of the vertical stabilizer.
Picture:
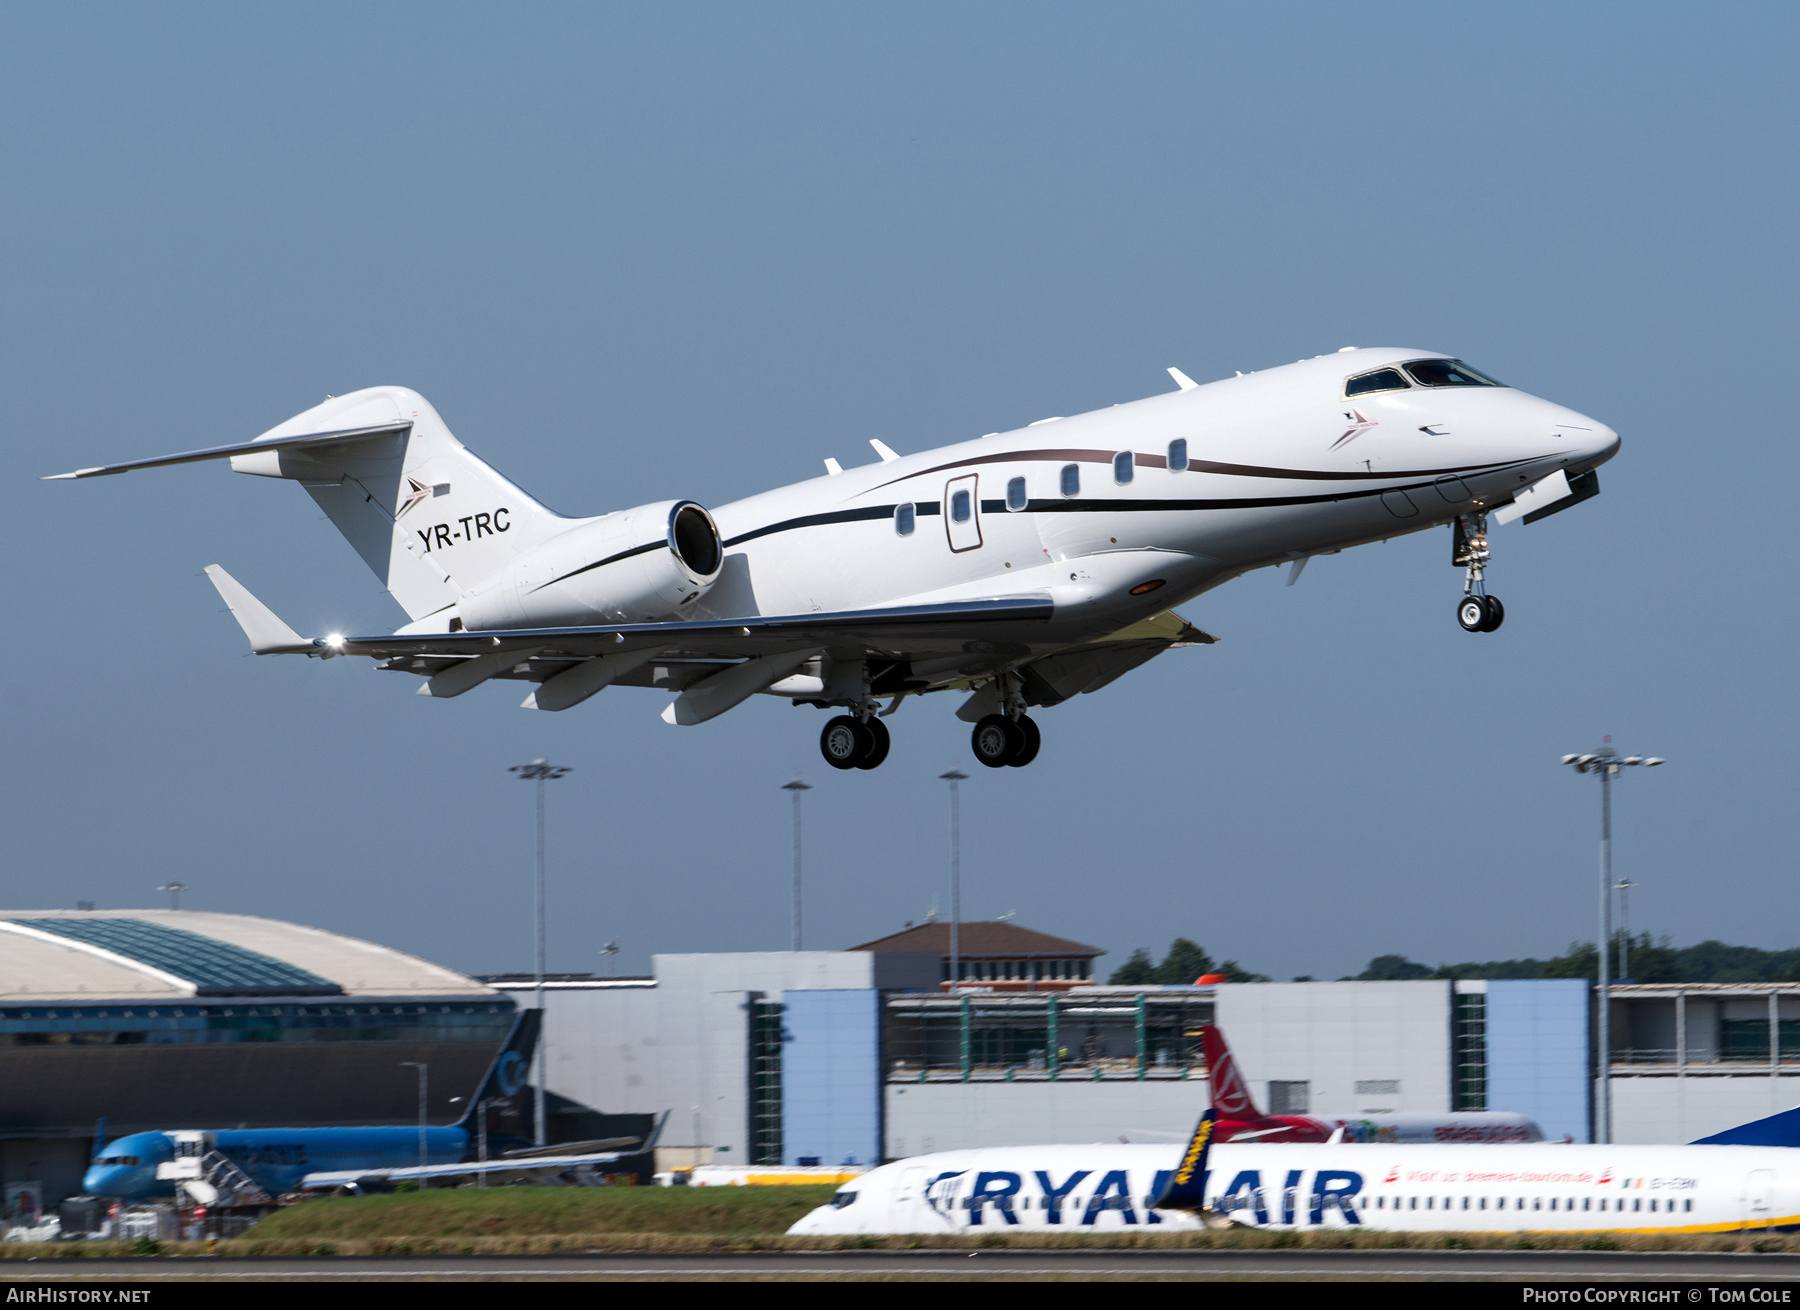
(426, 515)
(507, 1076)
(1230, 1093)
(1186, 1189)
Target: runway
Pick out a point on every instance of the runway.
(1510, 1266)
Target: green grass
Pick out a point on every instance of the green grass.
(536, 1211)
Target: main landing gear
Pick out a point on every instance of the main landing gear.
(1000, 741)
(1476, 611)
(849, 742)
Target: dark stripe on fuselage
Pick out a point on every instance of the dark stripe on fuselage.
(1142, 505)
(1194, 466)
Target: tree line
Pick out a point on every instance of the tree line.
(1647, 960)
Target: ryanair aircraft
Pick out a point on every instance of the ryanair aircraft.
(1533, 1187)
(1020, 569)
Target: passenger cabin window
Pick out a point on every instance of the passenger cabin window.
(1448, 373)
(1071, 479)
(1387, 379)
(904, 519)
(1178, 455)
(959, 507)
(1122, 467)
(1015, 494)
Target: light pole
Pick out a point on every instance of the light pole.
(174, 889)
(1606, 762)
(953, 777)
(796, 787)
(424, 1083)
(1623, 886)
(540, 772)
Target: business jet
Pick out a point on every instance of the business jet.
(261, 1163)
(1022, 568)
(1239, 1119)
(1534, 1187)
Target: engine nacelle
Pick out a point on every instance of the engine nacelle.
(639, 565)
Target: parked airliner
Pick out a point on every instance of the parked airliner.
(1239, 1119)
(145, 1166)
(1022, 568)
(1517, 1188)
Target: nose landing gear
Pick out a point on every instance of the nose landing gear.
(1010, 739)
(1476, 611)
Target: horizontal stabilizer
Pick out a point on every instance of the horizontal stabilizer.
(268, 634)
(242, 448)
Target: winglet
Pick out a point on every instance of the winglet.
(268, 634)
(1186, 1189)
(1182, 380)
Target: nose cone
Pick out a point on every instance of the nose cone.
(108, 1180)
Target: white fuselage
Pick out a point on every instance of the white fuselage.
(1512, 1188)
(1280, 466)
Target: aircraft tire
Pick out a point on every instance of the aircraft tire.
(843, 742)
(1496, 615)
(1033, 739)
(879, 741)
(996, 740)
(1472, 613)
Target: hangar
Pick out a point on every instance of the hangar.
(189, 1019)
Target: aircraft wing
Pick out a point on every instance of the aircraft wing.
(895, 628)
(351, 1177)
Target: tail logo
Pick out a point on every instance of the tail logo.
(1196, 1149)
(510, 1076)
(420, 491)
(1229, 1095)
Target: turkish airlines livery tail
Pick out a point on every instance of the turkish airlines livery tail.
(1239, 1119)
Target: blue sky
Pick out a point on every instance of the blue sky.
(633, 253)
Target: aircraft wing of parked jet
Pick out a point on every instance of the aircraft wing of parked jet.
(531, 1164)
(1021, 569)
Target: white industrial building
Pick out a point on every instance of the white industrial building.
(860, 1056)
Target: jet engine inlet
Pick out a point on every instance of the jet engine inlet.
(694, 538)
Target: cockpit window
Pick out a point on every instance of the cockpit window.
(1387, 379)
(841, 1199)
(120, 1159)
(1448, 373)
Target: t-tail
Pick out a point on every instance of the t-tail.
(1186, 1189)
(510, 1072)
(1230, 1093)
(432, 520)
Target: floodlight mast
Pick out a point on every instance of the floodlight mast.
(1606, 762)
(795, 788)
(953, 777)
(540, 771)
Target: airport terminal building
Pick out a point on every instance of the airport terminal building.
(186, 1019)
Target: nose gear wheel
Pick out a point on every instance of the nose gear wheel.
(1476, 611)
